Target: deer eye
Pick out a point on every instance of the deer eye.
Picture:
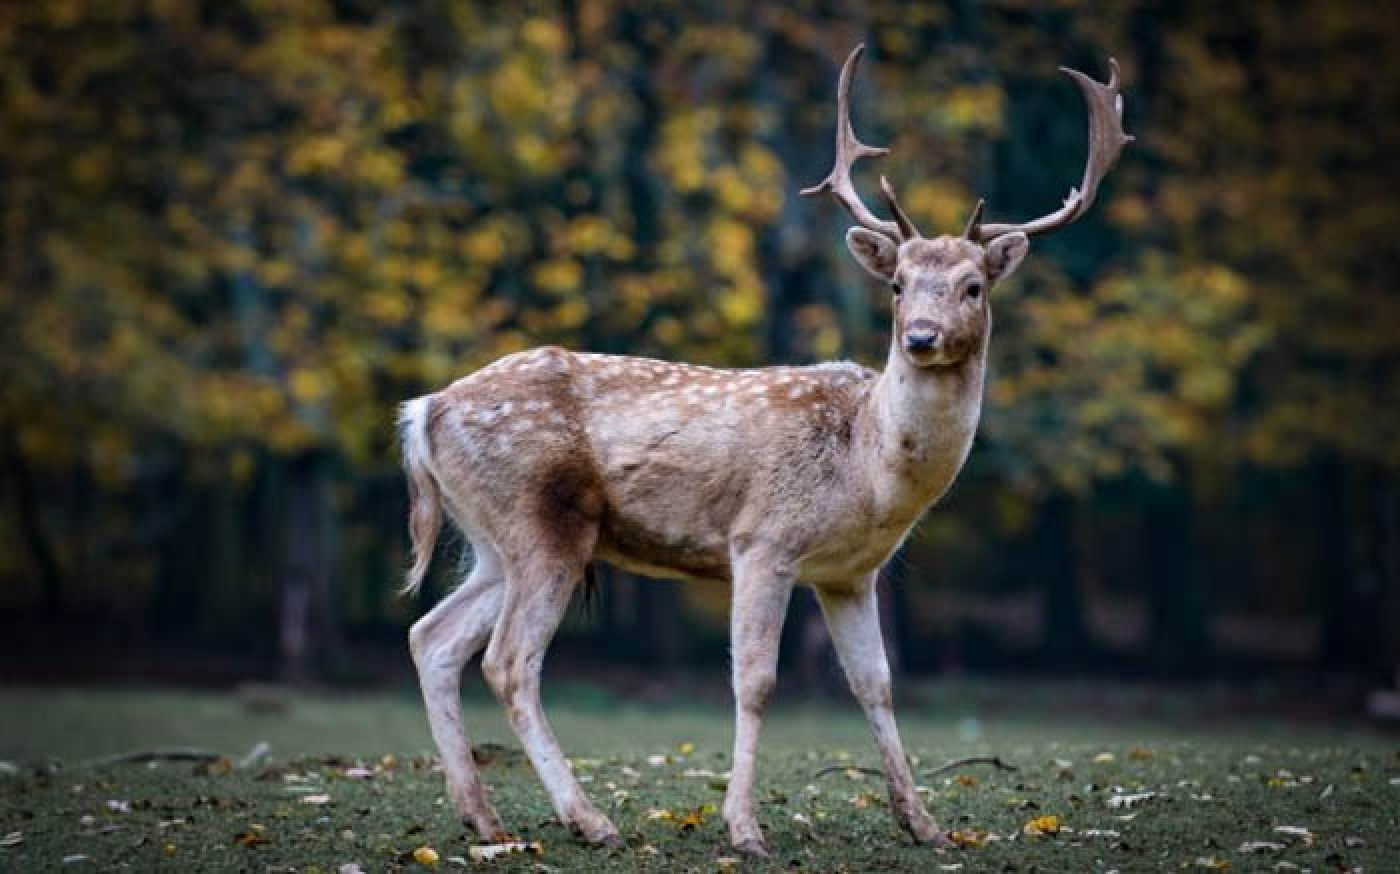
(898, 289)
(974, 290)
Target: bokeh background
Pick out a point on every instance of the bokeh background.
(237, 233)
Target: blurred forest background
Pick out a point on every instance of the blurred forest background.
(237, 232)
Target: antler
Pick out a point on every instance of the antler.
(848, 151)
(1106, 140)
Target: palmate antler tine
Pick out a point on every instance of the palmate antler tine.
(848, 151)
(1106, 140)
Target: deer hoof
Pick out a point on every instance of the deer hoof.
(936, 838)
(487, 826)
(752, 847)
(600, 834)
(612, 841)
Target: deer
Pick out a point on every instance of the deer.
(762, 479)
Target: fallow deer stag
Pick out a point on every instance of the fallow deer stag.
(763, 479)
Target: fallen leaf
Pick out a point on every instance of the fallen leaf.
(1211, 863)
(118, 806)
(13, 839)
(1297, 832)
(1119, 802)
(75, 858)
(1099, 833)
(1105, 758)
(426, 856)
(703, 773)
(487, 852)
(1354, 841)
(252, 836)
(358, 773)
(1042, 825)
(1140, 754)
(727, 863)
(1261, 847)
(350, 868)
(316, 799)
(686, 749)
(965, 781)
(968, 838)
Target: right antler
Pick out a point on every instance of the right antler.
(848, 151)
(1106, 140)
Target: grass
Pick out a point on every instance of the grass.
(1217, 786)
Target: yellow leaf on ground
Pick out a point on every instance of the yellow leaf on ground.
(968, 838)
(1042, 825)
(426, 856)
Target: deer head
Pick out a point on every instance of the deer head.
(941, 314)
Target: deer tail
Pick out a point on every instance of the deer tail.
(424, 497)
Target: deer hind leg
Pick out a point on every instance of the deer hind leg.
(536, 597)
(442, 642)
(854, 621)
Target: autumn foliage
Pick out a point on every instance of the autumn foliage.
(235, 234)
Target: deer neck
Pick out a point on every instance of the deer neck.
(918, 429)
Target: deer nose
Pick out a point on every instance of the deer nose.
(922, 336)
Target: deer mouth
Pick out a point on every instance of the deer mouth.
(947, 355)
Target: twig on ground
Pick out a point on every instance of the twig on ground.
(179, 754)
(994, 761)
(160, 754)
(841, 769)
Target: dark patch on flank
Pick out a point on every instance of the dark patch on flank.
(570, 503)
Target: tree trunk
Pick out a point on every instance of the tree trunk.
(1350, 587)
(30, 518)
(309, 633)
(659, 624)
(1065, 641)
(1178, 601)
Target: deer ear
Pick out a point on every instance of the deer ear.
(1004, 255)
(875, 252)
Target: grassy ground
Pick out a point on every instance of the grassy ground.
(659, 771)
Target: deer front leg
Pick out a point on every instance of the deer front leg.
(854, 620)
(760, 600)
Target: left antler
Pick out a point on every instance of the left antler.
(1106, 140)
(848, 151)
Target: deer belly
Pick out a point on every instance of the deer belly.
(649, 545)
